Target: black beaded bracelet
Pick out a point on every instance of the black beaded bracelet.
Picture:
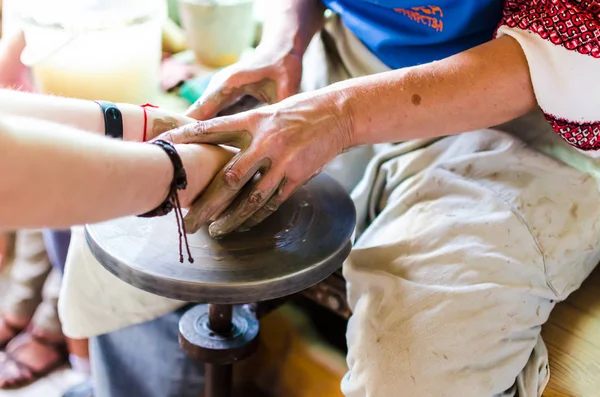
(179, 182)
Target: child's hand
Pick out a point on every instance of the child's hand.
(201, 163)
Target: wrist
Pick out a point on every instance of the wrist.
(292, 25)
(341, 102)
(160, 121)
(133, 121)
(162, 171)
(281, 43)
(172, 201)
(149, 122)
(187, 156)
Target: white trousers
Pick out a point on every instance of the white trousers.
(465, 244)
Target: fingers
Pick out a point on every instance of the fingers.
(284, 191)
(264, 90)
(223, 131)
(254, 197)
(244, 104)
(223, 189)
(206, 204)
(221, 97)
(213, 101)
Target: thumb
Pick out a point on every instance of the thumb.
(229, 130)
(211, 102)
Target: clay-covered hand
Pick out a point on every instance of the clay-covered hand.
(281, 147)
(269, 75)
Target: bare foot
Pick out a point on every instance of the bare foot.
(10, 327)
(30, 357)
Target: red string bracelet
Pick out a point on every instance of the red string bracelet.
(144, 106)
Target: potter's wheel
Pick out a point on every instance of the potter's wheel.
(304, 242)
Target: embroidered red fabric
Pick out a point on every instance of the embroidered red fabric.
(584, 136)
(572, 24)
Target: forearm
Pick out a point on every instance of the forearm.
(291, 24)
(56, 176)
(479, 88)
(87, 115)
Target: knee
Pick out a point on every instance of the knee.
(436, 344)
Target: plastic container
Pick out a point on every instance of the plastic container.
(9, 19)
(95, 49)
(218, 31)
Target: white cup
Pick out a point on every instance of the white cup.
(218, 31)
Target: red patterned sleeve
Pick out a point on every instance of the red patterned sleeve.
(561, 40)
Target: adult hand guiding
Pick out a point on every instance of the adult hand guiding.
(281, 147)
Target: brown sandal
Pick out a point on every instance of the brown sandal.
(15, 373)
(14, 330)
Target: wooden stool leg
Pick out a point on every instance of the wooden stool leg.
(218, 336)
(218, 380)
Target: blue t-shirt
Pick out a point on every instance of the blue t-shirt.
(410, 32)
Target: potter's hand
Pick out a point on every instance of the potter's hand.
(281, 147)
(269, 75)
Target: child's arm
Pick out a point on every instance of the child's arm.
(56, 176)
(87, 115)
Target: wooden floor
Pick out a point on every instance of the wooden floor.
(573, 339)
